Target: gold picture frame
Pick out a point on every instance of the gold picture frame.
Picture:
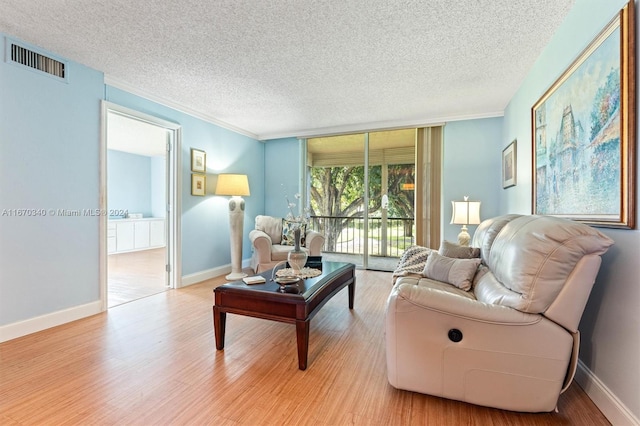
(198, 184)
(509, 165)
(198, 161)
(584, 133)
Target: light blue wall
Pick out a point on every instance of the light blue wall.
(282, 174)
(205, 220)
(136, 183)
(49, 160)
(129, 182)
(610, 346)
(472, 161)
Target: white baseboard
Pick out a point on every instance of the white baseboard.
(209, 273)
(612, 408)
(205, 275)
(33, 325)
(43, 322)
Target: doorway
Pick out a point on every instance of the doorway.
(362, 195)
(139, 174)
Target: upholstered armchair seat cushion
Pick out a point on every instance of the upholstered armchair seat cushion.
(433, 287)
(280, 252)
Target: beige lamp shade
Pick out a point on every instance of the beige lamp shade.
(234, 185)
(465, 212)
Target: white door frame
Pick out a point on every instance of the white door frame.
(174, 186)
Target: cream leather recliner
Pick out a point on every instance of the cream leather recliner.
(266, 239)
(512, 341)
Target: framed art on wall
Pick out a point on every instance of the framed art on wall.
(198, 160)
(584, 134)
(198, 184)
(509, 166)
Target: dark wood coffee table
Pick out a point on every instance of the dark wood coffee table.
(268, 302)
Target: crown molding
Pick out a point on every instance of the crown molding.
(122, 85)
(376, 126)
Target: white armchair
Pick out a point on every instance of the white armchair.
(266, 244)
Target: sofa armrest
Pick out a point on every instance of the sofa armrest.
(423, 297)
(261, 243)
(314, 241)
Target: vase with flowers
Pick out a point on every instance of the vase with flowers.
(297, 257)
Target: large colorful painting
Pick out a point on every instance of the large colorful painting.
(584, 134)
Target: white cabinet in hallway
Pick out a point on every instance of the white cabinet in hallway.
(111, 237)
(135, 234)
(141, 234)
(124, 236)
(157, 237)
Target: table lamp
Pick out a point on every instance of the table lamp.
(236, 186)
(465, 213)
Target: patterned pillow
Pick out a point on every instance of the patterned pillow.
(459, 272)
(288, 233)
(457, 251)
(412, 261)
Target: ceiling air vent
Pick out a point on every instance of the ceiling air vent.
(37, 61)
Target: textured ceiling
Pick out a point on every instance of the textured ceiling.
(301, 67)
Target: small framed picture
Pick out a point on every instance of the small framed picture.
(198, 184)
(198, 161)
(509, 171)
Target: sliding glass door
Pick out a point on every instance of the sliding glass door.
(362, 195)
(337, 182)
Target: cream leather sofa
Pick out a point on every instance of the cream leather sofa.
(512, 341)
(266, 239)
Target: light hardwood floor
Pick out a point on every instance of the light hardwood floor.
(154, 362)
(134, 275)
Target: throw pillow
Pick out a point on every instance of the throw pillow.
(288, 233)
(459, 272)
(457, 251)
